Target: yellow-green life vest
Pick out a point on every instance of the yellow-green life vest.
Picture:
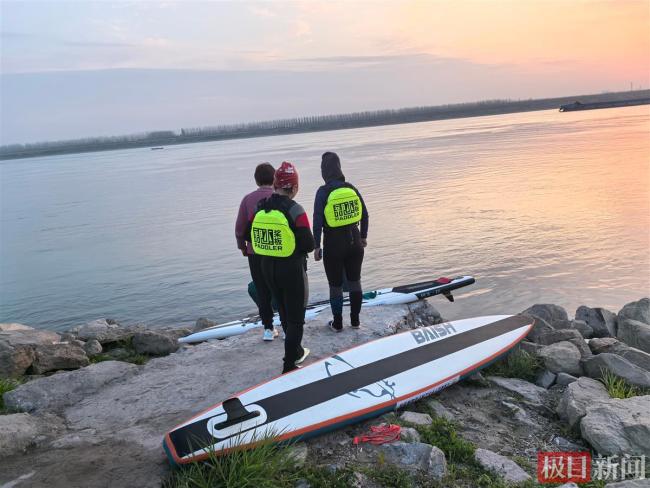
(271, 234)
(343, 207)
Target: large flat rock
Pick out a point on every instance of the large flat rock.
(55, 393)
(123, 420)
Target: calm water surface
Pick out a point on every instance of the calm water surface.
(540, 207)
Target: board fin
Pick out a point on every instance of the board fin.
(236, 413)
(448, 295)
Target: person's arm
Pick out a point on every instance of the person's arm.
(319, 213)
(241, 227)
(304, 238)
(364, 219)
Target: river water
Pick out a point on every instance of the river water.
(541, 207)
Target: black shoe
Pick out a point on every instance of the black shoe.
(333, 326)
(354, 323)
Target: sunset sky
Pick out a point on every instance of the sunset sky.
(216, 62)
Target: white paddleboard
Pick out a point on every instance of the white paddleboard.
(387, 296)
(359, 383)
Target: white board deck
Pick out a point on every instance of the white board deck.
(358, 383)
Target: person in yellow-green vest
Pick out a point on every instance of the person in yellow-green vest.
(342, 216)
(280, 233)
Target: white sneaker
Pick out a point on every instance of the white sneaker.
(269, 334)
(284, 336)
(304, 356)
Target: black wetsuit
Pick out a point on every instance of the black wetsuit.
(342, 249)
(287, 277)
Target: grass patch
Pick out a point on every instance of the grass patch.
(269, 465)
(617, 387)
(517, 364)
(320, 477)
(7, 384)
(442, 433)
(387, 475)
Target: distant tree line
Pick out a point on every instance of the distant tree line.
(300, 124)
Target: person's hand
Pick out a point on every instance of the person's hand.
(318, 254)
(244, 252)
(364, 242)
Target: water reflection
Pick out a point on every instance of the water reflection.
(540, 206)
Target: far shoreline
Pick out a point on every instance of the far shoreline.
(302, 125)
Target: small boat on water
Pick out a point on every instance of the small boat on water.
(157, 148)
(577, 105)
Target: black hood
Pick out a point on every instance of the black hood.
(330, 167)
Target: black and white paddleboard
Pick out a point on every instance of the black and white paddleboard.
(386, 296)
(359, 383)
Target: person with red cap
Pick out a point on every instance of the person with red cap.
(280, 233)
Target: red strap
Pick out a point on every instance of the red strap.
(380, 434)
(443, 281)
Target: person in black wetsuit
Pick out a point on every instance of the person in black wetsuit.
(280, 233)
(342, 216)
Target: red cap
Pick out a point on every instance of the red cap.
(286, 176)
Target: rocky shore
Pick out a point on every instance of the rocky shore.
(88, 407)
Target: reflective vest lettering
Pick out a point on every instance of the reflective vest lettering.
(271, 234)
(343, 207)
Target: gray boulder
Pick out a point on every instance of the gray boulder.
(564, 379)
(416, 418)
(501, 465)
(548, 312)
(154, 343)
(540, 327)
(635, 334)
(440, 410)
(409, 434)
(644, 483)
(15, 361)
(600, 320)
(602, 344)
(29, 337)
(569, 335)
(595, 365)
(203, 323)
(53, 357)
(414, 457)
(17, 347)
(639, 311)
(104, 332)
(53, 393)
(614, 346)
(93, 347)
(617, 427)
(526, 390)
(577, 397)
(545, 379)
(562, 357)
(13, 326)
(580, 325)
